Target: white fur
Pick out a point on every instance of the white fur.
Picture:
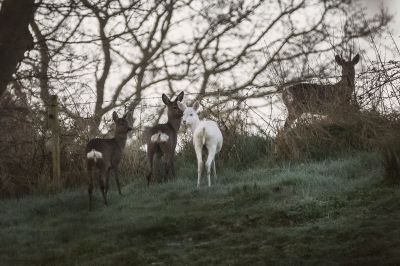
(159, 137)
(205, 133)
(164, 137)
(154, 137)
(93, 154)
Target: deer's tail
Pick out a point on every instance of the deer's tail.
(204, 136)
(94, 155)
(159, 137)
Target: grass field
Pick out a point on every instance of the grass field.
(329, 212)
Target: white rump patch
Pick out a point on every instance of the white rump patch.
(154, 138)
(164, 137)
(159, 137)
(93, 154)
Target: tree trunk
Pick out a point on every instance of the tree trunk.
(15, 37)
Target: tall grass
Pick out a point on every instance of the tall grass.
(333, 136)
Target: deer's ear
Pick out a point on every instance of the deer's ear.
(165, 99)
(179, 98)
(196, 106)
(356, 59)
(115, 116)
(181, 106)
(339, 60)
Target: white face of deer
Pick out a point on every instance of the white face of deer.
(348, 71)
(190, 116)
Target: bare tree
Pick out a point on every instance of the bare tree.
(245, 46)
(117, 52)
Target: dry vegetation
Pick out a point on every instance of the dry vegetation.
(325, 190)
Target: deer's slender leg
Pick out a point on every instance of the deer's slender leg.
(106, 179)
(210, 158)
(169, 165)
(168, 160)
(166, 167)
(173, 166)
(150, 156)
(101, 180)
(117, 180)
(199, 163)
(90, 185)
(215, 170)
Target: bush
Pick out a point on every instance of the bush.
(22, 155)
(357, 131)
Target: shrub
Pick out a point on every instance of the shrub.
(330, 137)
(21, 160)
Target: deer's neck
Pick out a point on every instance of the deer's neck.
(194, 125)
(121, 140)
(175, 123)
(347, 81)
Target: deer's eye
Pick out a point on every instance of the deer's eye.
(191, 114)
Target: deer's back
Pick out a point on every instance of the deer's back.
(111, 152)
(315, 96)
(208, 131)
(161, 128)
(308, 91)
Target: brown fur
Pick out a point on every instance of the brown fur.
(111, 150)
(318, 99)
(166, 149)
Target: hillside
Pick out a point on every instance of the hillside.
(328, 212)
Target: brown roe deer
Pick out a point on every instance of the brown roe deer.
(317, 98)
(161, 139)
(104, 155)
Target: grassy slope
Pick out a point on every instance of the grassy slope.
(332, 212)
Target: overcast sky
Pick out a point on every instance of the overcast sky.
(394, 9)
(386, 40)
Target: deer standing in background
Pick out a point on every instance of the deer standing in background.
(317, 98)
(205, 134)
(162, 138)
(105, 155)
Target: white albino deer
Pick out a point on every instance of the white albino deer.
(205, 134)
(104, 155)
(317, 98)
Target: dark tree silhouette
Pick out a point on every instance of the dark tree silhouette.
(15, 37)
